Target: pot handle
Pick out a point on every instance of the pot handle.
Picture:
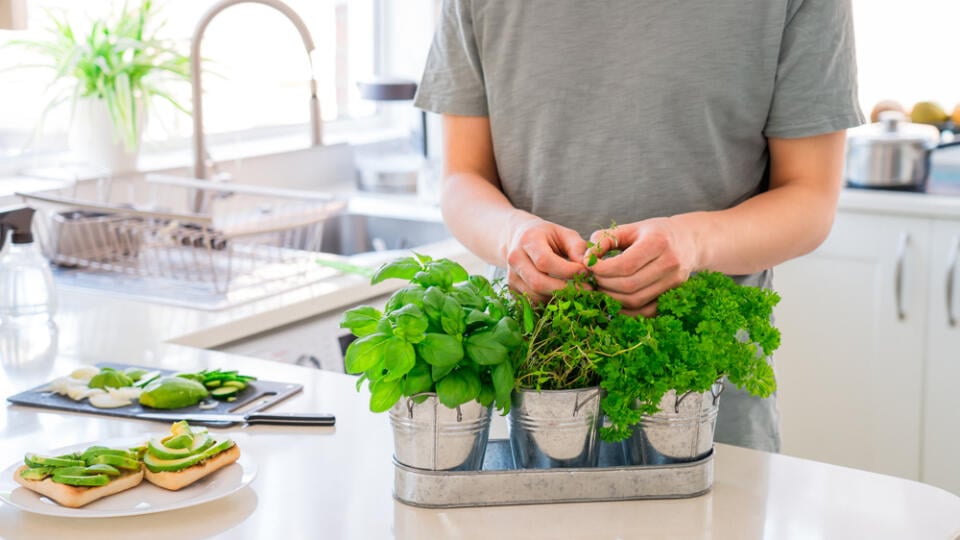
(941, 146)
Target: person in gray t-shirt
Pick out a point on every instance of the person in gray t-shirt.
(711, 131)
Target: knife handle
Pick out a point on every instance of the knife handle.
(291, 419)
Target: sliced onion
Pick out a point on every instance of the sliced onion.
(108, 400)
(84, 373)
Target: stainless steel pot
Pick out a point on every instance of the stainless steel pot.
(891, 154)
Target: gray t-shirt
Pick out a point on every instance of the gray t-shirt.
(624, 110)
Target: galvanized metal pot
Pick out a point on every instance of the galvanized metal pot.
(432, 436)
(555, 428)
(682, 431)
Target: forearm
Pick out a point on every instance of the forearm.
(763, 231)
(480, 216)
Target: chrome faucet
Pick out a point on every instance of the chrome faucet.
(200, 153)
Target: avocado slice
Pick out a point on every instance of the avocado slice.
(94, 451)
(157, 464)
(36, 473)
(201, 441)
(102, 468)
(122, 462)
(81, 480)
(184, 440)
(35, 460)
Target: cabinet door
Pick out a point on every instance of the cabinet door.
(940, 465)
(850, 365)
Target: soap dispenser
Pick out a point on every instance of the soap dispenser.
(27, 293)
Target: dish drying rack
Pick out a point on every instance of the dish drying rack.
(247, 236)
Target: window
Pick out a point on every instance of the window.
(255, 72)
(905, 51)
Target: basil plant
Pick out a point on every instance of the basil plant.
(446, 332)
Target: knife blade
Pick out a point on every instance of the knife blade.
(284, 419)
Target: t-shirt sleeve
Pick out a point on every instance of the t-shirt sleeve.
(453, 81)
(816, 84)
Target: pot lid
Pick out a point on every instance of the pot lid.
(893, 128)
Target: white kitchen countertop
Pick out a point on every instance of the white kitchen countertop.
(336, 482)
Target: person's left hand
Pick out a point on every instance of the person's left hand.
(657, 255)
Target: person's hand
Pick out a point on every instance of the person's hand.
(657, 255)
(542, 256)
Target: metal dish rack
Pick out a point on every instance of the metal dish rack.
(248, 235)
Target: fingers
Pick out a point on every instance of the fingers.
(539, 260)
(640, 246)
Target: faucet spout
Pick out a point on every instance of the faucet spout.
(199, 147)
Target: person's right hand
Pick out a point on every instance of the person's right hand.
(542, 256)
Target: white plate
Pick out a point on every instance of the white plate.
(146, 498)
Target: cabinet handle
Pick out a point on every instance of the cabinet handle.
(951, 276)
(898, 279)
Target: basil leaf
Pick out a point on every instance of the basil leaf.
(458, 388)
(433, 303)
(452, 317)
(362, 321)
(433, 278)
(365, 353)
(503, 383)
(486, 396)
(477, 318)
(409, 323)
(384, 394)
(411, 294)
(468, 295)
(484, 348)
(453, 271)
(482, 286)
(404, 268)
(440, 350)
(507, 332)
(399, 358)
(418, 380)
(439, 372)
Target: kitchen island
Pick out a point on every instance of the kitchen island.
(337, 482)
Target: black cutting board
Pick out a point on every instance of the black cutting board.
(258, 395)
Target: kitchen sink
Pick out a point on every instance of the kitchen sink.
(355, 233)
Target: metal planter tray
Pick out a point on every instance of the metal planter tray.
(501, 483)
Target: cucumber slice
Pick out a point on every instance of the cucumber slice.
(240, 385)
(212, 383)
(224, 392)
(79, 480)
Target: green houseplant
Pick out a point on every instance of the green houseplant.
(112, 69)
(446, 343)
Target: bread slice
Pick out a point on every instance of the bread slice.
(180, 479)
(77, 496)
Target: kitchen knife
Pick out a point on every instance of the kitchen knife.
(285, 419)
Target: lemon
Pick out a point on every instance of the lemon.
(928, 112)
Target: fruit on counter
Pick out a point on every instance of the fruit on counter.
(186, 455)
(109, 377)
(77, 479)
(928, 112)
(886, 105)
(956, 115)
(172, 392)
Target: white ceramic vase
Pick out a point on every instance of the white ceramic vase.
(96, 143)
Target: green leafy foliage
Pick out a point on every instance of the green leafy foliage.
(706, 328)
(118, 60)
(446, 332)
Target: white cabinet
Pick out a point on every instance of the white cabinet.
(940, 463)
(850, 368)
